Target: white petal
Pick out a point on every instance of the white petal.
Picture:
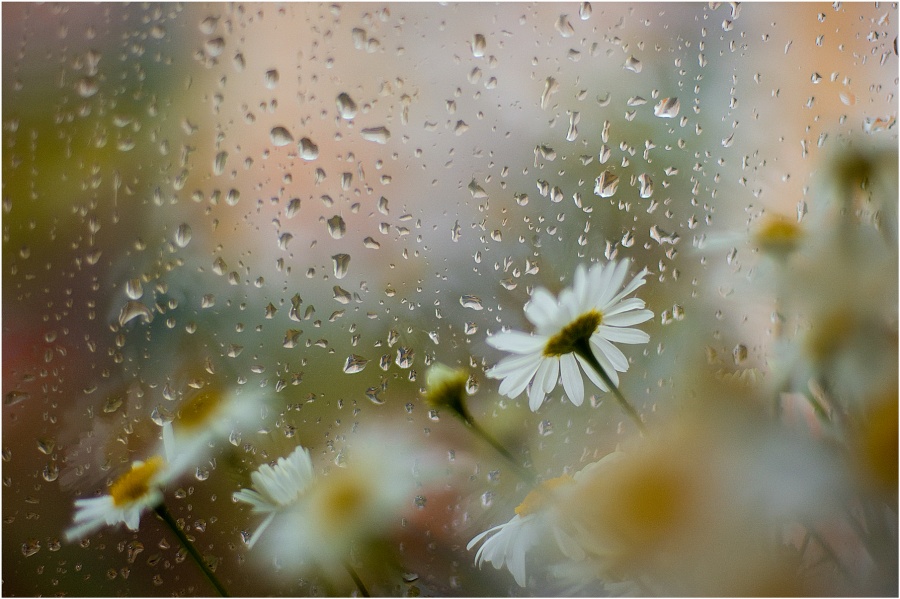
(628, 318)
(541, 308)
(536, 393)
(612, 353)
(258, 532)
(571, 378)
(592, 374)
(625, 305)
(552, 375)
(620, 335)
(636, 282)
(613, 276)
(605, 364)
(517, 342)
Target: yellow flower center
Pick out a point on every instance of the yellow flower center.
(446, 386)
(135, 483)
(577, 331)
(538, 498)
(342, 500)
(777, 234)
(196, 411)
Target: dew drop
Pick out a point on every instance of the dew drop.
(471, 301)
(346, 107)
(667, 108)
(336, 226)
(478, 45)
(292, 208)
(341, 264)
(133, 289)
(379, 135)
(606, 184)
(132, 310)
(271, 78)
(633, 64)
(280, 136)
(354, 364)
(183, 235)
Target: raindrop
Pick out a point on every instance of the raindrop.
(471, 301)
(477, 191)
(585, 10)
(346, 107)
(133, 289)
(271, 78)
(405, 357)
(646, 185)
(739, 353)
(292, 208)
(283, 240)
(379, 135)
(633, 64)
(564, 27)
(341, 264)
(336, 226)
(132, 310)
(354, 364)
(308, 150)
(606, 184)
(215, 47)
(667, 108)
(551, 86)
(219, 163)
(478, 45)
(232, 197)
(341, 296)
(87, 87)
(280, 136)
(183, 235)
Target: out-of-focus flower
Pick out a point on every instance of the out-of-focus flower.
(536, 520)
(130, 495)
(446, 387)
(277, 487)
(873, 447)
(207, 415)
(588, 317)
(316, 519)
(777, 235)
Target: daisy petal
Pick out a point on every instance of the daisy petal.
(571, 379)
(517, 342)
(620, 335)
(628, 318)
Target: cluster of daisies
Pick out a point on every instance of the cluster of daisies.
(739, 492)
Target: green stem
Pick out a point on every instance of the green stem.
(166, 516)
(466, 416)
(356, 579)
(583, 349)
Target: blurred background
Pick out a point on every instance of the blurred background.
(318, 201)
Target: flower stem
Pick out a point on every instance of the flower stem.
(463, 412)
(166, 516)
(356, 579)
(583, 349)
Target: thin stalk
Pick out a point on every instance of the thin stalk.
(166, 516)
(467, 418)
(356, 579)
(583, 349)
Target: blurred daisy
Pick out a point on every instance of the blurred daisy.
(318, 518)
(208, 415)
(577, 329)
(130, 495)
(277, 487)
(536, 519)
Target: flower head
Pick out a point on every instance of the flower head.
(535, 519)
(208, 414)
(590, 316)
(447, 388)
(130, 495)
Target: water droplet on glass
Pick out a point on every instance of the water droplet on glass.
(283, 240)
(341, 296)
(739, 353)
(308, 150)
(478, 45)
(87, 87)
(215, 47)
(471, 301)
(30, 547)
(551, 86)
(341, 264)
(585, 10)
(280, 136)
(183, 235)
(219, 163)
(232, 197)
(379, 135)
(133, 289)
(646, 185)
(606, 184)
(346, 106)
(564, 27)
(355, 364)
(405, 357)
(271, 78)
(336, 226)
(633, 64)
(477, 191)
(667, 108)
(132, 310)
(292, 208)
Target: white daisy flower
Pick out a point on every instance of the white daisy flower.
(208, 415)
(129, 497)
(535, 520)
(314, 518)
(580, 325)
(277, 487)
